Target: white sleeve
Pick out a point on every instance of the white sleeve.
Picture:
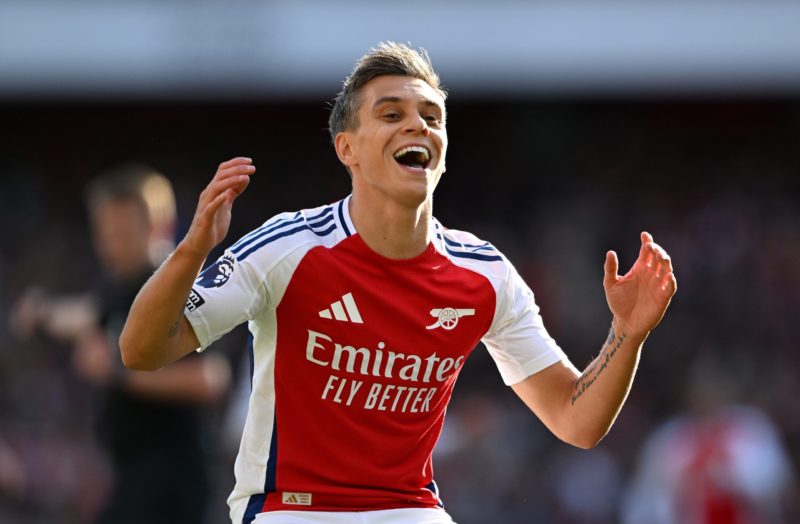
(517, 339)
(225, 294)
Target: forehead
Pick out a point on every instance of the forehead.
(405, 88)
(118, 209)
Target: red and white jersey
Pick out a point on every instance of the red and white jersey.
(355, 355)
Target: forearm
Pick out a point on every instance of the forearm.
(599, 392)
(155, 332)
(580, 408)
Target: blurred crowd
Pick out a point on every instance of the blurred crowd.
(710, 433)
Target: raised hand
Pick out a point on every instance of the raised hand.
(212, 218)
(639, 299)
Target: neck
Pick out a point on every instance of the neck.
(389, 228)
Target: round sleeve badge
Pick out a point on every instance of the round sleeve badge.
(219, 273)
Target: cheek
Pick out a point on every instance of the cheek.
(443, 147)
(441, 137)
(370, 148)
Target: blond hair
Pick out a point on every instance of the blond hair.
(150, 190)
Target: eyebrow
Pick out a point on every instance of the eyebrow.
(397, 99)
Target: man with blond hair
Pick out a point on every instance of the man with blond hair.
(363, 312)
(152, 426)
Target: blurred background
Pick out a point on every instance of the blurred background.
(573, 126)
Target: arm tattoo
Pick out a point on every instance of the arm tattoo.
(175, 328)
(611, 336)
(598, 365)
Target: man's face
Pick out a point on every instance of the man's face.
(122, 237)
(398, 150)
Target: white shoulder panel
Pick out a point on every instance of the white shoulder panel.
(517, 338)
(253, 273)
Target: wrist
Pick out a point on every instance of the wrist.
(620, 329)
(185, 250)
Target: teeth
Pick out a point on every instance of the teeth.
(415, 149)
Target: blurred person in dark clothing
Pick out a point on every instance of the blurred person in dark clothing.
(151, 424)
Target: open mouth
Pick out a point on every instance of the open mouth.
(415, 157)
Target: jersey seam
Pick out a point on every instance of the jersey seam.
(271, 267)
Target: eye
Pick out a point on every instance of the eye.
(433, 119)
(391, 116)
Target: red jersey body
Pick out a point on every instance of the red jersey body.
(355, 356)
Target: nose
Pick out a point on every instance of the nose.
(416, 123)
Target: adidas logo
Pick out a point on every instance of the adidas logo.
(298, 499)
(351, 315)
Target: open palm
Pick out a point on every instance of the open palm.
(639, 298)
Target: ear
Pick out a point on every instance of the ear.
(344, 148)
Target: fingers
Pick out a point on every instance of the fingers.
(236, 184)
(611, 267)
(233, 174)
(658, 263)
(238, 169)
(235, 170)
(646, 252)
(654, 256)
(669, 284)
(233, 162)
(213, 212)
(223, 199)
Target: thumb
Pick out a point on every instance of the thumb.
(611, 266)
